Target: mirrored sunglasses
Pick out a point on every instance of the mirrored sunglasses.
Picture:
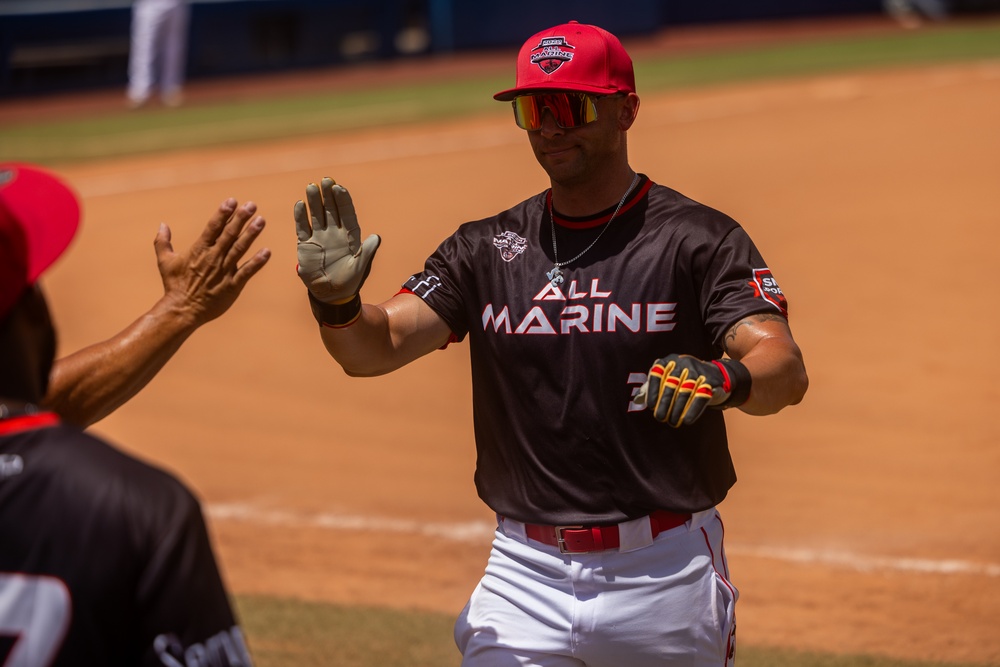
(568, 109)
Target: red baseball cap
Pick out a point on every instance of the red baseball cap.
(39, 216)
(572, 56)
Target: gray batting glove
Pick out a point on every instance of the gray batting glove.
(333, 263)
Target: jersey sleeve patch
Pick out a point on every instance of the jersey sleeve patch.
(766, 287)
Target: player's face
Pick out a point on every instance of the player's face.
(578, 155)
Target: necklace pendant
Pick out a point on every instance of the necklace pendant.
(555, 276)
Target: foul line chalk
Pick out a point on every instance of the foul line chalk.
(472, 531)
(479, 531)
(863, 563)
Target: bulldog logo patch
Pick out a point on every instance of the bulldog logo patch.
(551, 54)
(510, 245)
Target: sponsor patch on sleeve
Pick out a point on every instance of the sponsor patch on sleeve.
(422, 286)
(766, 287)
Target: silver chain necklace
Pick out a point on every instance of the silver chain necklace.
(556, 274)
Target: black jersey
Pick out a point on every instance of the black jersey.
(554, 367)
(104, 560)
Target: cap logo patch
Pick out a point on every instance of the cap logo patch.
(510, 245)
(551, 54)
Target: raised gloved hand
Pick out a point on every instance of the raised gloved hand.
(680, 387)
(333, 262)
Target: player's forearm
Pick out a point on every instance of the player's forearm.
(363, 348)
(386, 336)
(779, 376)
(87, 385)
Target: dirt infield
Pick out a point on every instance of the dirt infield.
(865, 520)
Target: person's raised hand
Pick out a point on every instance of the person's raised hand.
(333, 262)
(206, 279)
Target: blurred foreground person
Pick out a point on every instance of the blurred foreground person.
(104, 560)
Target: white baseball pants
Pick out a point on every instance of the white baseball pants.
(669, 603)
(158, 50)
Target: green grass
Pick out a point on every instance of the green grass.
(124, 133)
(939, 45)
(276, 117)
(285, 632)
(768, 657)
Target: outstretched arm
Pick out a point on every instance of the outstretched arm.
(386, 336)
(763, 343)
(763, 373)
(198, 286)
(365, 339)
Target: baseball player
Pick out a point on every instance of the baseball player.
(104, 560)
(158, 51)
(610, 321)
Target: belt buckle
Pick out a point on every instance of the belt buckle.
(561, 540)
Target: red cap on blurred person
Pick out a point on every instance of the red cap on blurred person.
(39, 216)
(572, 57)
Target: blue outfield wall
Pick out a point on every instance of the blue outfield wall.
(476, 25)
(57, 45)
(53, 45)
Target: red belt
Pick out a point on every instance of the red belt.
(584, 539)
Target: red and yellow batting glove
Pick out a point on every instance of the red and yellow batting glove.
(680, 387)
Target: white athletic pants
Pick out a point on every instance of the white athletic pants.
(158, 50)
(669, 603)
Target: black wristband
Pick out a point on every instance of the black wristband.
(740, 381)
(335, 315)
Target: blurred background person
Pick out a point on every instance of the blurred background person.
(158, 51)
(911, 13)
